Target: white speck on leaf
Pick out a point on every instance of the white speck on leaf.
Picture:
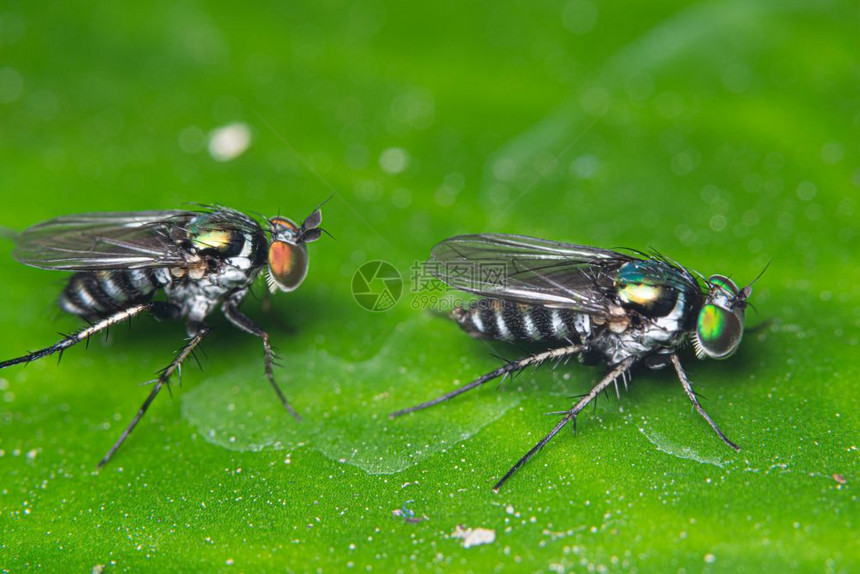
(474, 536)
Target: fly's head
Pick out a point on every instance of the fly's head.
(288, 252)
(720, 326)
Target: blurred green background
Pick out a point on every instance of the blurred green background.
(724, 134)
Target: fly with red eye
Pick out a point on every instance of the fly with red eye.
(173, 264)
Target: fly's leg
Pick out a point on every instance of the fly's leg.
(199, 331)
(570, 416)
(688, 388)
(82, 335)
(502, 371)
(243, 322)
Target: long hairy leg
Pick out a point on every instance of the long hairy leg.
(504, 370)
(164, 376)
(688, 388)
(243, 322)
(81, 335)
(570, 416)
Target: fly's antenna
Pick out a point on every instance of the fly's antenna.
(327, 233)
(759, 275)
(746, 291)
(318, 213)
(315, 219)
(326, 200)
(310, 229)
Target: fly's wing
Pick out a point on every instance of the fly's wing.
(94, 241)
(528, 270)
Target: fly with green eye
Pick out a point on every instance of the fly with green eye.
(175, 264)
(603, 307)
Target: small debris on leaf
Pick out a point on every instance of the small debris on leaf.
(408, 514)
(474, 536)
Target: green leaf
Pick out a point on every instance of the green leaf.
(723, 134)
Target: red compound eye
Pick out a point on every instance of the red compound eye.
(288, 265)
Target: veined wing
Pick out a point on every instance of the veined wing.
(93, 241)
(528, 270)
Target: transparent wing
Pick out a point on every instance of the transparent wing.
(93, 241)
(528, 270)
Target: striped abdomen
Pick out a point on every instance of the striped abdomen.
(101, 293)
(509, 321)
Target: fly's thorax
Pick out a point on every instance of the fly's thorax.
(194, 270)
(646, 287)
(214, 237)
(720, 324)
(197, 298)
(209, 236)
(653, 308)
(625, 333)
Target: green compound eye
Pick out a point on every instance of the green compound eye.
(718, 332)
